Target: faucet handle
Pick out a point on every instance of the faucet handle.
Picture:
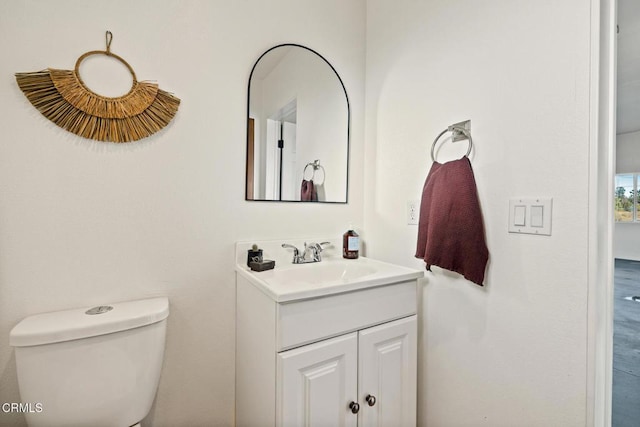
(316, 248)
(295, 250)
(296, 253)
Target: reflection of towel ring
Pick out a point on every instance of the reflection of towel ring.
(315, 165)
(453, 129)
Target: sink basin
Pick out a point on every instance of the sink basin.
(290, 282)
(326, 273)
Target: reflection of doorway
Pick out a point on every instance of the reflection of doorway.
(287, 171)
(280, 164)
(250, 159)
(281, 160)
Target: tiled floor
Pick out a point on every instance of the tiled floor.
(626, 345)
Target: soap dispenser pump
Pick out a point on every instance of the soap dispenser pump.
(350, 244)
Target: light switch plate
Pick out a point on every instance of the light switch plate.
(530, 215)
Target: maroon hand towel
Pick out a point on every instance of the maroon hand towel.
(308, 191)
(450, 230)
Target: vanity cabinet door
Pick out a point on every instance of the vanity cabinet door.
(317, 383)
(388, 371)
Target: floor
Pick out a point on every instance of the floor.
(626, 345)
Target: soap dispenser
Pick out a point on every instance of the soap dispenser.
(350, 244)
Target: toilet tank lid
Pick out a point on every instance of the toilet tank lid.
(48, 328)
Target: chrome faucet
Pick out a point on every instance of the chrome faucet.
(311, 252)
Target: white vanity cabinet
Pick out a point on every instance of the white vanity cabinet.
(336, 359)
(364, 378)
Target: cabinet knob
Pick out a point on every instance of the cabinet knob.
(354, 407)
(371, 400)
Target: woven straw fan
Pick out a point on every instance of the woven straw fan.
(62, 97)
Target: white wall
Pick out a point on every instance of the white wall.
(627, 235)
(84, 223)
(513, 353)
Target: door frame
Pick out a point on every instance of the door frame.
(602, 137)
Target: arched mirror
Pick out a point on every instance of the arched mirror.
(297, 128)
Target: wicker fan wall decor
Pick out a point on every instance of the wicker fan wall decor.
(62, 97)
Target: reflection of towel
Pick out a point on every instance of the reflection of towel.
(451, 232)
(308, 192)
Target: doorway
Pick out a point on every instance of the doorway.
(625, 396)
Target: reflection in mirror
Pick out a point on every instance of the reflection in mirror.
(297, 128)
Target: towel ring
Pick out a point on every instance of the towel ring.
(315, 165)
(451, 129)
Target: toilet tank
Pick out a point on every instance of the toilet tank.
(91, 367)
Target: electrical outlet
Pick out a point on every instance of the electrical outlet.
(413, 211)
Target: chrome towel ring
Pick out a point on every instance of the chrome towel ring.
(315, 165)
(460, 131)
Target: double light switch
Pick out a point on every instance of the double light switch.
(530, 216)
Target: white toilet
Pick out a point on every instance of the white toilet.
(91, 367)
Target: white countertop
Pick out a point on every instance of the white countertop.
(288, 282)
